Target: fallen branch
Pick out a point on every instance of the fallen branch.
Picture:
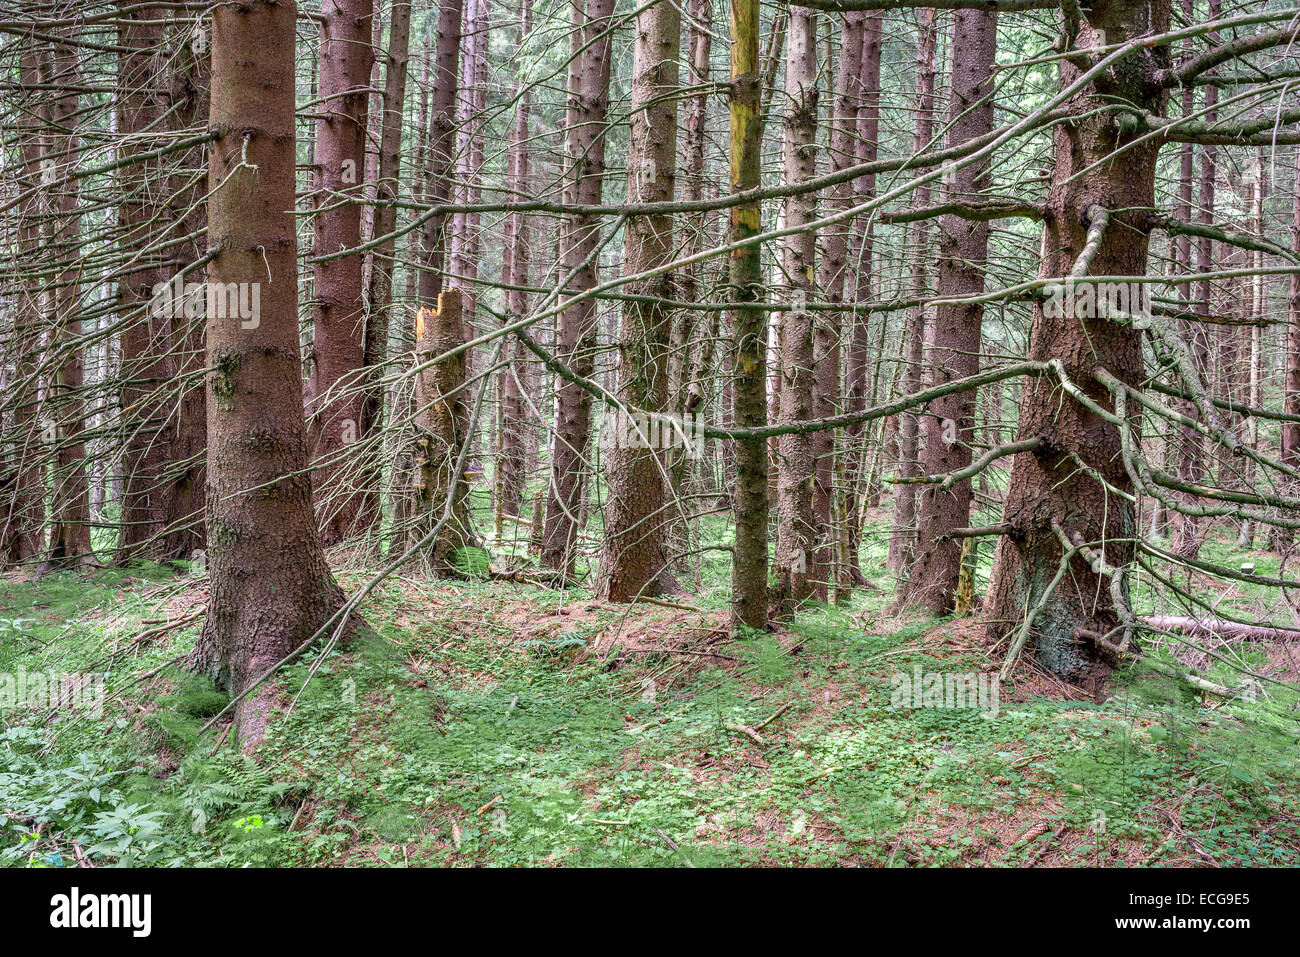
(1218, 627)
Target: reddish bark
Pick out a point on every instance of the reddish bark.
(859, 352)
(588, 85)
(902, 538)
(70, 494)
(387, 187)
(949, 426)
(334, 397)
(832, 275)
(271, 589)
(440, 162)
(512, 380)
(184, 530)
(634, 556)
(22, 493)
(1048, 485)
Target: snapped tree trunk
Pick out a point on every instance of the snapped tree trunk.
(442, 427)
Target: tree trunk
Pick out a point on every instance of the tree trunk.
(828, 326)
(387, 188)
(902, 539)
(512, 380)
(588, 85)
(797, 531)
(748, 327)
(442, 145)
(22, 493)
(338, 322)
(145, 361)
(949, 425)
(442, 422)
(858, 359)
(634, 558)
(270, 586)
(1246, 537)
(1291, 384)
(690, 360)
(70, 496)
(185, 533)
(1187, 535)
(1047, 485)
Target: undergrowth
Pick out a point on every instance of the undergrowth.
(464, 733)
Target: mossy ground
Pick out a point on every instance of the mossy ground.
(501, 724)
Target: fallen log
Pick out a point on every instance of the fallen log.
(1218, 628)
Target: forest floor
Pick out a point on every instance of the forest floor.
(503, 724)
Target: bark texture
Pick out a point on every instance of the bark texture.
(146, 364)
(334, 394)
(856, 363)
(516, 377)
(797, 532)
(902, 538)
(271, 588)
(949, 425)
(634, 557)
(588, 85)
(70, 492)
(1049, 485)
(380, 280)
(748, 327)
(22, 491)
(442, 421)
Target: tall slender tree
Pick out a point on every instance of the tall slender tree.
(635, 557)
(902, 538)
(588, 104)
(382, 258)
(338, 318)
(271, 589)
(949, 428)
(70, 494)
(797, 554)
(748, 325)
